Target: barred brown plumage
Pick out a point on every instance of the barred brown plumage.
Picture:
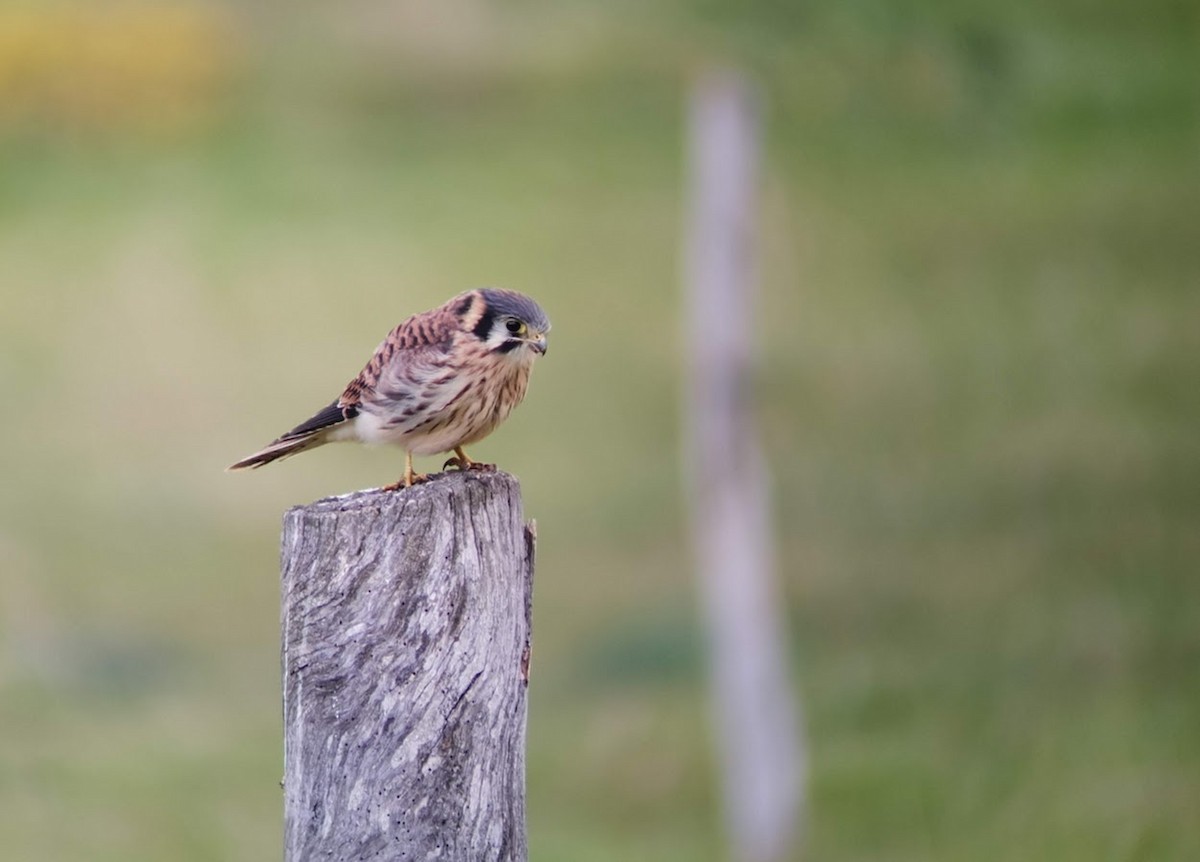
(441, 380)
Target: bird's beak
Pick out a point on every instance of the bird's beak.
(539, 345)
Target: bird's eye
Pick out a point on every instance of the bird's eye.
(516, 327)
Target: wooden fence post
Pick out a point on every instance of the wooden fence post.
(406, 637)
(757, 717)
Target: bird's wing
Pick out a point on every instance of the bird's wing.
(334, 414)
(413, 355)
(306, 435)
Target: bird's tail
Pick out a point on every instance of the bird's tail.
(285, 446)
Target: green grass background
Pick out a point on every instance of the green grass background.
(979, 388)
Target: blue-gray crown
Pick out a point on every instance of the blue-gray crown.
(518, 305)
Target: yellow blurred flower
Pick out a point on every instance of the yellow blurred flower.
(137, 65)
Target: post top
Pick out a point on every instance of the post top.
(438, 486)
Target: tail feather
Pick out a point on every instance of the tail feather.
(307, 435)
(284, 447)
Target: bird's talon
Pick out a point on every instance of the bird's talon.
(461, 461)
(406, 482)
(460, 466)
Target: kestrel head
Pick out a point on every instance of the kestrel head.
(508, 323)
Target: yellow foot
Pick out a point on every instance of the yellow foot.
(406, 482)
(461, 461)
(409, 478)
(470, 465)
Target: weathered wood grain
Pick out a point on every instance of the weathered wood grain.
(406, 637)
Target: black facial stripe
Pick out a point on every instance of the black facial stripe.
(509, 346)
(484, 327)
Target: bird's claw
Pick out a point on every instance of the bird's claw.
(403, 482)
(458, 464)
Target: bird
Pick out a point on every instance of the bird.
(441, 380)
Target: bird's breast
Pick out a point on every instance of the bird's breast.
(447, 411)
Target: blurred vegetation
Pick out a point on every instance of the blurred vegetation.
(85, 69)
(980, 341)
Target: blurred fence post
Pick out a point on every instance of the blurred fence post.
(757, 721)
(406, 635)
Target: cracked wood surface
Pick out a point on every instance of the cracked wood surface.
(406, 633)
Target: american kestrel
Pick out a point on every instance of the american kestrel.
(441, 380)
